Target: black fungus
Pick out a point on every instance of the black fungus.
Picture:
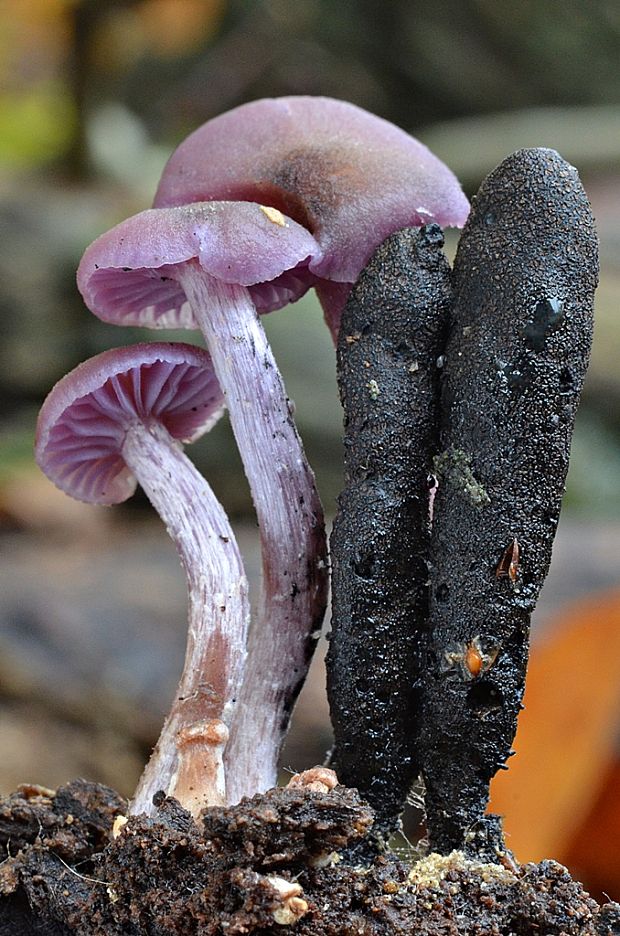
(392, 333)
(516, 357)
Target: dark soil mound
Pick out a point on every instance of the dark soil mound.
(269, 865)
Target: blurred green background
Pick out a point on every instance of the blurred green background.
(94, 95)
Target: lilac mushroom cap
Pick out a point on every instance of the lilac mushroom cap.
(83, 422)
(347, 176)
(115, 421)
(130, 275)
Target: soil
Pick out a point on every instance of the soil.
(271, 864)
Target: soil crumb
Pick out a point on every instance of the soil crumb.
(270, 865)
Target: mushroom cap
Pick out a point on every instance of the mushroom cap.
(84, 419)
(349, 177)
(128, 275)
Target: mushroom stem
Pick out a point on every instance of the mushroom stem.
(187, 761)
(290, 519)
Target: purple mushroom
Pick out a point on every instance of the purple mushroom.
(347, 176)
(213, 265)
(254, 208)
(117, 420)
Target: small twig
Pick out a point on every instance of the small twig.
(82, 876)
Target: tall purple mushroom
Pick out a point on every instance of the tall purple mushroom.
(312, 186)
(117, 420)
(211, 266)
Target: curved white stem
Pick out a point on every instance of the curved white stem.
(187, 760)
(290, 519)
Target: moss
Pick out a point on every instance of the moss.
(454, 467)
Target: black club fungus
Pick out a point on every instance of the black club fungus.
(392, 334)
(515, 362)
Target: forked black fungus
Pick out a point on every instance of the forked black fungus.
(392, 333)
(524, 279)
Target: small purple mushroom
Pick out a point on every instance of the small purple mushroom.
(117, 420)
(212, 265)
(348, 176)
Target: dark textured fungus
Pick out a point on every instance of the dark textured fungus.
(524, 280)
(392, 335)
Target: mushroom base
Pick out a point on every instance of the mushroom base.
(272, 861)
